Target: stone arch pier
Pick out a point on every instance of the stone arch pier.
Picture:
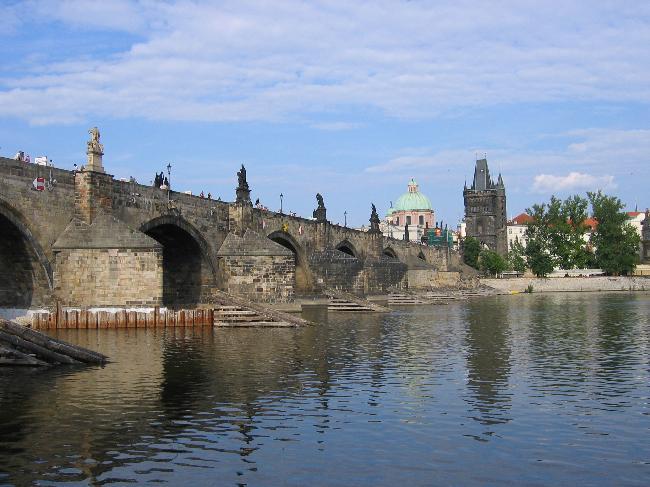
(303, 274)
(188, 272)
(26, 274)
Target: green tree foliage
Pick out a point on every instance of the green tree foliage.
(538, 246)
(517, 257)
(491, 262)
(615, 240)
(557, 233)
(471, 251)
(539, 259)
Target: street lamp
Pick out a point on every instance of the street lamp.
(169, 178)
(281, 196)
(345, 218)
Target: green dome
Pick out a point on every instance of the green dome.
(412, 199)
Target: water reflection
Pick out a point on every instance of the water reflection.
(557, 380)
(488, 360)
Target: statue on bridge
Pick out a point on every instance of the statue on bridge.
(320, 213)
(243, 191)
(374, 220)
(95, 151)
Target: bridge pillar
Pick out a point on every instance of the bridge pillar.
(93, 194)
(240, 218)
(322, 239)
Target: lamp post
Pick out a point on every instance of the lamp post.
(169, 179)
(345, 218)
(281, 196)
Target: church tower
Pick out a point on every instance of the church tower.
(485, 209)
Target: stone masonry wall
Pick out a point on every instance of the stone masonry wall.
(337, 270)
(383, 275)
(109, 277)
(570, 284)
(261, 278)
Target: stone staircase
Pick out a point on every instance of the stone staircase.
(405, 300)
(341, 304)
(231, 316)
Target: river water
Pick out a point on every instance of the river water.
(520, 390)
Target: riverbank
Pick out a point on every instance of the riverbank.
(569, 284)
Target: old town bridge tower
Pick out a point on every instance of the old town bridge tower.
(485, 209)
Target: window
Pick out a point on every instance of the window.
(408, 219)
(397, 221)
(421, 219)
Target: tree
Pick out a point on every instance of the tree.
(557, 232)
(539, 242)
(517, 257)
(471, 250)
(491, 262)
(615, 240)
(539, 259)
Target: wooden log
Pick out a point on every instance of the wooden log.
(78, 353)
(11, 356)
(42, 353)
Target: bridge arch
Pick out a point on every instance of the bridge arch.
(26, 276)
(390, 253)
(421, 256)
(304, 277)
(348, 247)
(188, 270)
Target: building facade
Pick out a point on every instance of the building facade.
(485, 209)
(517, 229)
(412, 210)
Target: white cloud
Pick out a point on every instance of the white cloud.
(254, 60)
(548, 183)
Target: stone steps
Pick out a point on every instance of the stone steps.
(405, 300)
(228, 316)
(339, 304)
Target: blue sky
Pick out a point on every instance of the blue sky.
(349, 99)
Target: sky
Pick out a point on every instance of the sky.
(349, 99)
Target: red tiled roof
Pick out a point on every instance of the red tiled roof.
(633, 214)
(522, 219)
(591, 223)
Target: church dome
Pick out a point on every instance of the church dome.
(412, 199)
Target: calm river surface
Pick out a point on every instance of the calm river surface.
(521, 390)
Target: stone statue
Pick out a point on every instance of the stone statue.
(241, 177)
(374, 220)
(95, 152)
(320, 213)
(94, 146)
(243, 192)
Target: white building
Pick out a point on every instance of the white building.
(516, 229)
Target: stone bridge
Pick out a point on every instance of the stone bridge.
(89, 239)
